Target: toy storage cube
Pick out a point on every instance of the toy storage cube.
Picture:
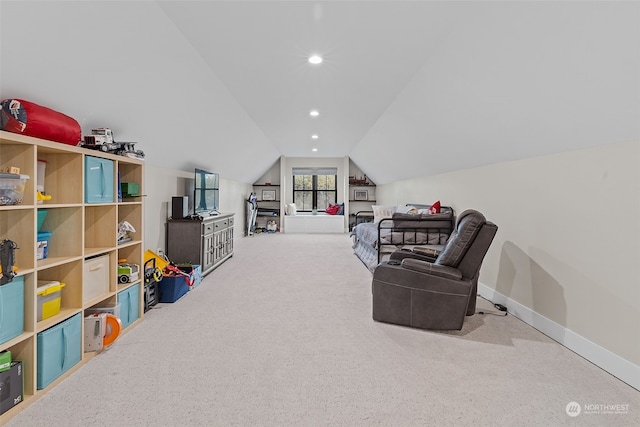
(59, 349)
(96, 277)
(99, 183)
(12, 188)
(49, 298)
(129, 301)
(12, 309)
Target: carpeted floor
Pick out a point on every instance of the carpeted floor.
(282, 335)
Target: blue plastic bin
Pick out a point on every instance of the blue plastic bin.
(42, 245)
(172, 288)
(42, 214)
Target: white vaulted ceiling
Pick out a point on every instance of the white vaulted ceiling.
(407, 88)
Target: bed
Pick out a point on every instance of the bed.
(373, 242)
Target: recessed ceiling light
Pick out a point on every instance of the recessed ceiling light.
(314, 149)
(315, 59)
(314, 113)
(314, 136)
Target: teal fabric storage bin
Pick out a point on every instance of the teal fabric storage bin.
(129, 300)
(59, 349)
(99, 184)
(11, 309)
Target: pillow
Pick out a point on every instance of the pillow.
(332, 209)
(435, 208)
(380, 212)
(341, 209)
(406, 209)
(290, 209)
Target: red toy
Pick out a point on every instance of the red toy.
(27, 118)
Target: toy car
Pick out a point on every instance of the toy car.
(128, 273)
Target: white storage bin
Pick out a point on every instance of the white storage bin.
(96, 277)
(111, 309)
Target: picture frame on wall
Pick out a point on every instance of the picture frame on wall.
(360, 195)
(268, 195)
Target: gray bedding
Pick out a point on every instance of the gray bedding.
(400, 231)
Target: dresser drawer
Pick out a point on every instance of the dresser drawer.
(221, 224)
(207, 228)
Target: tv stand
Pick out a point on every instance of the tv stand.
(207, 241)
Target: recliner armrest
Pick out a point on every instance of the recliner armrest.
(430, 268)
(429, 252)
(401, 254)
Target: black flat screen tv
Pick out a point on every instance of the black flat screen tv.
(206, 198)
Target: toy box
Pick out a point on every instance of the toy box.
(195, 271)
(172, 288)
(12, 188)
(49, 298)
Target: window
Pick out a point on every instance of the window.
(314, 188)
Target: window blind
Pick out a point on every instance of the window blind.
(315, 171)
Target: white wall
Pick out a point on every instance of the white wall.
(568, 246)
(125, 65)
(161, 184)
(520, 79)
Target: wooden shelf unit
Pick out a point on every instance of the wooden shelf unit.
(358, 204)
(80, 231)
(270, 205)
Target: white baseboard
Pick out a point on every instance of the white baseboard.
(596, 354)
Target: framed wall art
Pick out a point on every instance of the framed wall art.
(268, 194)
(360, 195)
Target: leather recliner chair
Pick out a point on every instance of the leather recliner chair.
(434, 292)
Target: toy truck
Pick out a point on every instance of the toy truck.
(128, 273)
(100, 139)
